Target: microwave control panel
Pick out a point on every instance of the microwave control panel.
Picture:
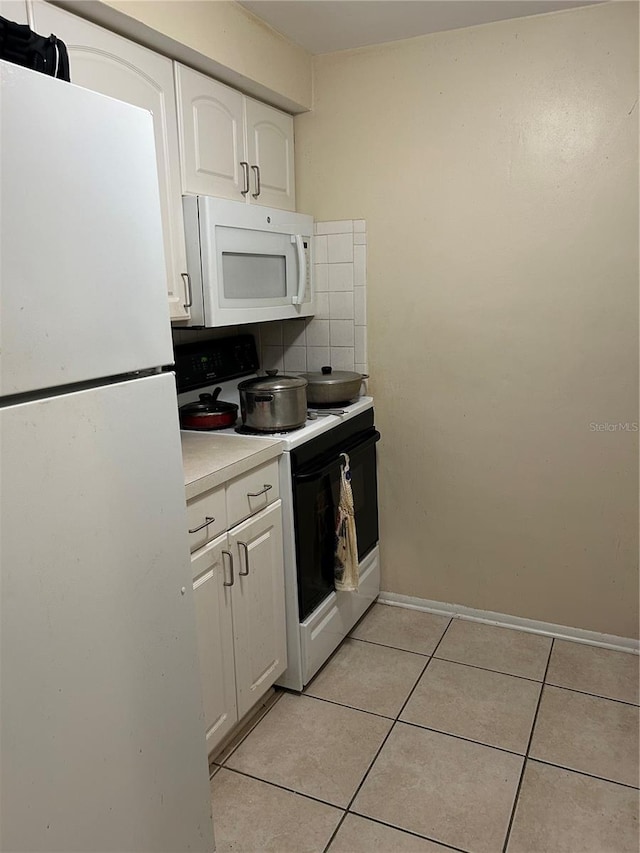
(205, 362)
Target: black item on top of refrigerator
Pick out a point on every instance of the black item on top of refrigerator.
(20, 45)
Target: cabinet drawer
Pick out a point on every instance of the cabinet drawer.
(208, 505)
(252, 492)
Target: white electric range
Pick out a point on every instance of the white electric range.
(318, 617)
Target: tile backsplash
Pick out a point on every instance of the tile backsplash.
(337, 334)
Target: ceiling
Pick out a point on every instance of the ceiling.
(322, 26)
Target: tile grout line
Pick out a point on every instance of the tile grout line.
(381, 747)
(526, 754)
(410, 832)
(582, 773)
(283, 788)
(387, 646)
(593, 695)
(342, 705)
(461, 737)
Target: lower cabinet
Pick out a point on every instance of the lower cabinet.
(212, 597)
(238, 583)
(259, 627)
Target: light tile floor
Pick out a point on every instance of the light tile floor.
(424, 735)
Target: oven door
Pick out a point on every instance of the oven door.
(316, 492)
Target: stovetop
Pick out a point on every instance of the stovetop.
(318, 420)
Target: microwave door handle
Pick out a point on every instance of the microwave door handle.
(298, 299)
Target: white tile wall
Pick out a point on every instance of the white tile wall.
(341, 306)
(294, 333)
(342, 333)
(318, 332)
(341, 276)
(337, 334)
(340, 248)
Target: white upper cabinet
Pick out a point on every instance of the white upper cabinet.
(232, 146)
(270, 155)
(211, 125)
(115, 66)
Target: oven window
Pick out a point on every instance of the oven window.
(316, 495)
(249, 276)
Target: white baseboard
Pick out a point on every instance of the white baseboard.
(532, 626)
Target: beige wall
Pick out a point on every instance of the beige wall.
(217, 37)
(497, 171)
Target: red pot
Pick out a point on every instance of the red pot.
(208, 413)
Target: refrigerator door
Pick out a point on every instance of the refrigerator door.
(102, 728)
(82, 275)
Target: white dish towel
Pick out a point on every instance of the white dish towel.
(347, 570)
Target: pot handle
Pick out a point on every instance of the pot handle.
(364, 375)
(263, 398)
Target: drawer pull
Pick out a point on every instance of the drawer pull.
(264, 489)
(246, 558)
(230, 556)
(209, 519)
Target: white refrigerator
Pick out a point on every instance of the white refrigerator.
(102, 742)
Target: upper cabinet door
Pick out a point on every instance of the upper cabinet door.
(270, 154)
(112, 65)
(211, 136)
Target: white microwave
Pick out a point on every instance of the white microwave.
(246, 263)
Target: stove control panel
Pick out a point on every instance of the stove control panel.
(206, 362)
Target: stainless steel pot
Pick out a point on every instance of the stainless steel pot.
(329, 387)
(273, 403)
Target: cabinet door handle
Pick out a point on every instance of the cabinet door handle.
(187, 280)
(246, 559)
(256, 169)
(208, 519)
(230, 556)
(245, 169)
(262, 491)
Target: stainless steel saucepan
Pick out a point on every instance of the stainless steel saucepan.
(273, 403)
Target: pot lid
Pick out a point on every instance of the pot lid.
(328, 376)
(208, 405)
(272, 382)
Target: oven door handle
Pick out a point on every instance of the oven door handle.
(325, 469)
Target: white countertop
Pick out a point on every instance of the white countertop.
(210, 460)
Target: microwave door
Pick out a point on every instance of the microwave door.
(255, 268)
